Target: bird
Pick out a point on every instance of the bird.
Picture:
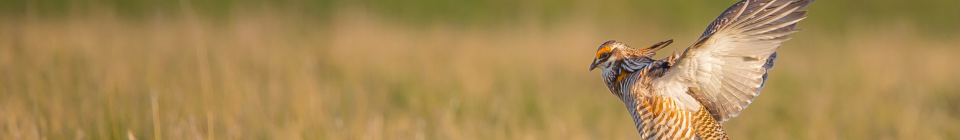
(688, 95)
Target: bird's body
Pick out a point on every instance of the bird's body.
(657, 116)
(688, 95)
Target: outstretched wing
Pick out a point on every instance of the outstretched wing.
(726, 68)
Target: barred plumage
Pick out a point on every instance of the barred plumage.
(688, 95)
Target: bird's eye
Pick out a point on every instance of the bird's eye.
(604, 55)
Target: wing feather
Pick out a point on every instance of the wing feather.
(727, 67)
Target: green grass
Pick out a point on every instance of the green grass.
(363, 72)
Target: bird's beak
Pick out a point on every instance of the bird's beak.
(593, 65)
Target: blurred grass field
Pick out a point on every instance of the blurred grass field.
(442, 69)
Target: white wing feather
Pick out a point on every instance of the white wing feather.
(726, 68)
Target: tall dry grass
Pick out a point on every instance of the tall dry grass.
(268, 74)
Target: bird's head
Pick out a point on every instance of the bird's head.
(615, 58)
(612, 52)
(607, 54)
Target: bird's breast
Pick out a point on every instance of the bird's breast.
(663, 118)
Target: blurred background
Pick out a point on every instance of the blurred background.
(445, 69)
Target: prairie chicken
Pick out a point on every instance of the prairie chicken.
(688, 95)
